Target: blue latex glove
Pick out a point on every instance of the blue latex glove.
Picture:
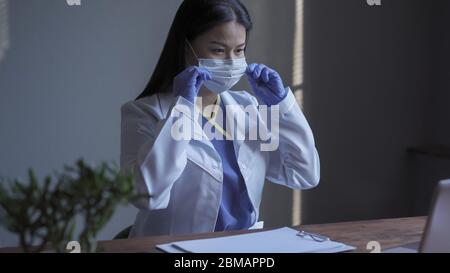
(188, 83)
(266, 84)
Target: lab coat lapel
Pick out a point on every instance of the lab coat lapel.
(166, 101)
(230, 114)
(244, 149)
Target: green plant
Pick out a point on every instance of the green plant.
(45, 214)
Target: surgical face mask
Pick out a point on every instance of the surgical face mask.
(225, 73)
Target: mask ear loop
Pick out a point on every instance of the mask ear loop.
(193, 51)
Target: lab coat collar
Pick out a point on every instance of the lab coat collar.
(167, 99)
(166, 102)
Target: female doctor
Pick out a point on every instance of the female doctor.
(202, 184)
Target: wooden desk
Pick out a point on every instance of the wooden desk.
(389, 232)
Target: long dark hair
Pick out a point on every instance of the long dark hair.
(193, 18)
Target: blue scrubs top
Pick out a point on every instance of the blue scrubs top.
(235, 208)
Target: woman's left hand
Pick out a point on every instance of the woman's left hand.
(266, 84)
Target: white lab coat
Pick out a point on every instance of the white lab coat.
(184, 177)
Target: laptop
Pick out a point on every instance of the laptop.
(436, 236)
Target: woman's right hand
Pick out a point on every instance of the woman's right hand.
(187, 84)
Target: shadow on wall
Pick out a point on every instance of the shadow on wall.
(371, 86)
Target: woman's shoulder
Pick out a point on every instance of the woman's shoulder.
(148, 106)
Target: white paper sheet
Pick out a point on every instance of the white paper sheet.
(283, 240)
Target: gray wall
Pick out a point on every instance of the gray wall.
(376, 84)
(439, 131)
(69, 69)
(64, 78)
(428, 169)
(271, 43)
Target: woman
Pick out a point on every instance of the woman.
(203, 184)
